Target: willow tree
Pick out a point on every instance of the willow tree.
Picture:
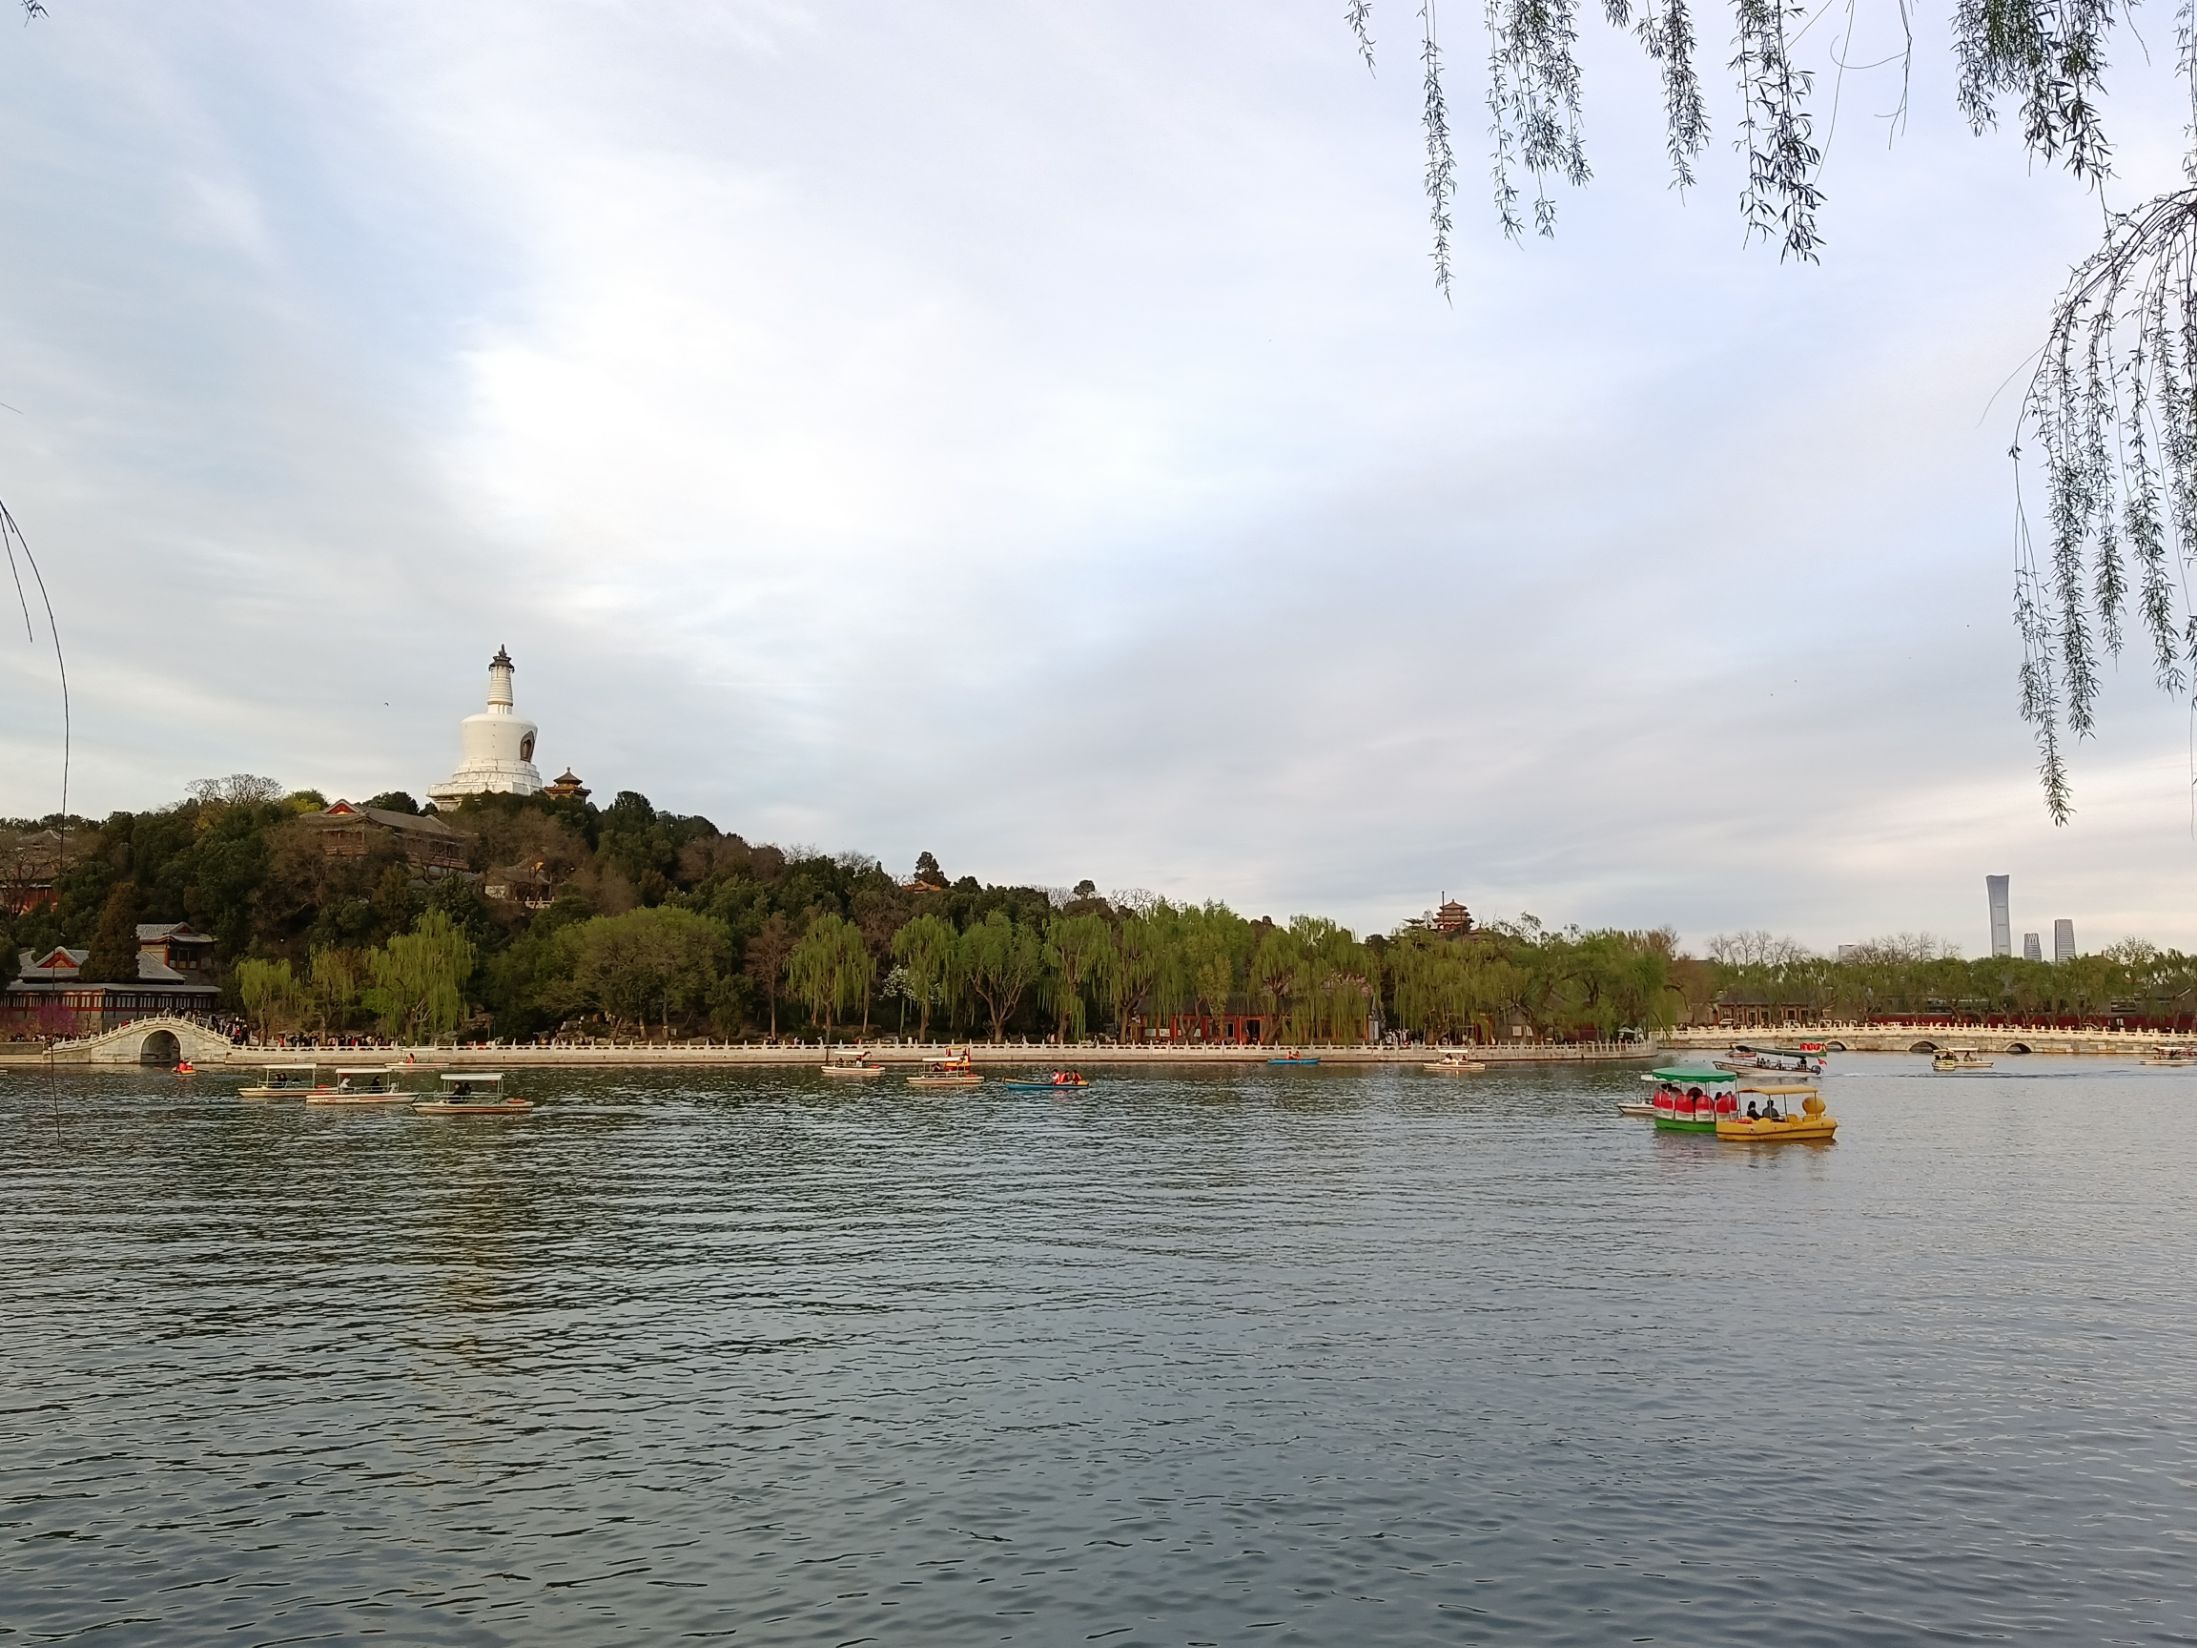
(1079, 951)
(830, 968)
(419, 979)
(273, 1000)
(930, 960)
(2110, 409)
(1001, 958)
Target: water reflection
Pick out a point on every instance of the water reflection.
(1312, 1354)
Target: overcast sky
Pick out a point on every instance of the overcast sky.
(1030, 434)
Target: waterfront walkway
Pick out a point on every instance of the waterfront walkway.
(1923, 1038)
(158, 1041)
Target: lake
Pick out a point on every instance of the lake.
(1280, 1356)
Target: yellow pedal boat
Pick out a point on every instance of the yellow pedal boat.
(1813, 1125)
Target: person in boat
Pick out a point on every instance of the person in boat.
(1752, 1115)
(1769, 1111)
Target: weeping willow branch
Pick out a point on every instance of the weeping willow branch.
(13, 541)
(1358, 14)
(2110, 412)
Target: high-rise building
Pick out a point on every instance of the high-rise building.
(2032, 950)
(2063, 940)
(2002, 921)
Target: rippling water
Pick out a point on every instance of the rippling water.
(1283, 1356)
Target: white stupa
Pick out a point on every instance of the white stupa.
(496, 748)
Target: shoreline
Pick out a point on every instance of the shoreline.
(906, 1055)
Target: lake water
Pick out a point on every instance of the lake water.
(1312, 1357)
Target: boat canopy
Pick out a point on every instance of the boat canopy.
(1789, 1052)
(471, 1077)
(1685, 1075)
(1781, 1090)
(289, 1069)
(366, 1070)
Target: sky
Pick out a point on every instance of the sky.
(1031, 435)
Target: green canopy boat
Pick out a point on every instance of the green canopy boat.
(1687, 1096)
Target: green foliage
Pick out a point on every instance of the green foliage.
(929, 954)
(1001, 958)
(766, 956)
(830, 968)
(1079, 953)
(648, 963)
(419, 979)
(113, 958)
(273, 1000)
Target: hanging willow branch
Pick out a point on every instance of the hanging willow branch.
(2111, 409)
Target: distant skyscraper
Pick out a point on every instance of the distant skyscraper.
(2002, 923)
(2031, 949)
(2063, 940)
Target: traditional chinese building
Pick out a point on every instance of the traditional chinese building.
(349, 831)
(52, 998)
(30, 864)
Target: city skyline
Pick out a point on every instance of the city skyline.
(848, 479)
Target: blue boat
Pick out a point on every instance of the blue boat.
(1064, 1081)
(1293, 1058)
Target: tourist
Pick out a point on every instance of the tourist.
(1751, 1115)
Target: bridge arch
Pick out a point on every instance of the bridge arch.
(2017, 1047)
(160, 1047)
(1924, 1047)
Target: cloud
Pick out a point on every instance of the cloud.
(1033, 438)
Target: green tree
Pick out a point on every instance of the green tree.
(1001, 958)
(338, 979)
(418, 980)
(1079, 951)
(652, 962)
(766, 957)
(113, 958)
(830, 968)
(1135, 970)
(930, 957)
(273, 1000)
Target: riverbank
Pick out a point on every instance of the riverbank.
(136, 1044)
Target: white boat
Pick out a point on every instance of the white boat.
(284, 1081)
(852, 1067)
(374, 1084)
(2173, 1055)
(1452, 1064)
(955, 1070)
(1953, 1060)
(475, 1093)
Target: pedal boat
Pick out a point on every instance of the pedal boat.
(1689, 1099)
(946, 1073)
(476, 1093)
(2172, 1055)
(852, 1067)
(1813, 1125)
(1452, 1064)
(1062, 1081)
(284, 1081)
(376, 1085)
(1296, 1059)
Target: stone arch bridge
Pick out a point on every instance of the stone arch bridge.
(164, 1039)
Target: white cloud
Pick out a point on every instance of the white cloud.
(1033, 437)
